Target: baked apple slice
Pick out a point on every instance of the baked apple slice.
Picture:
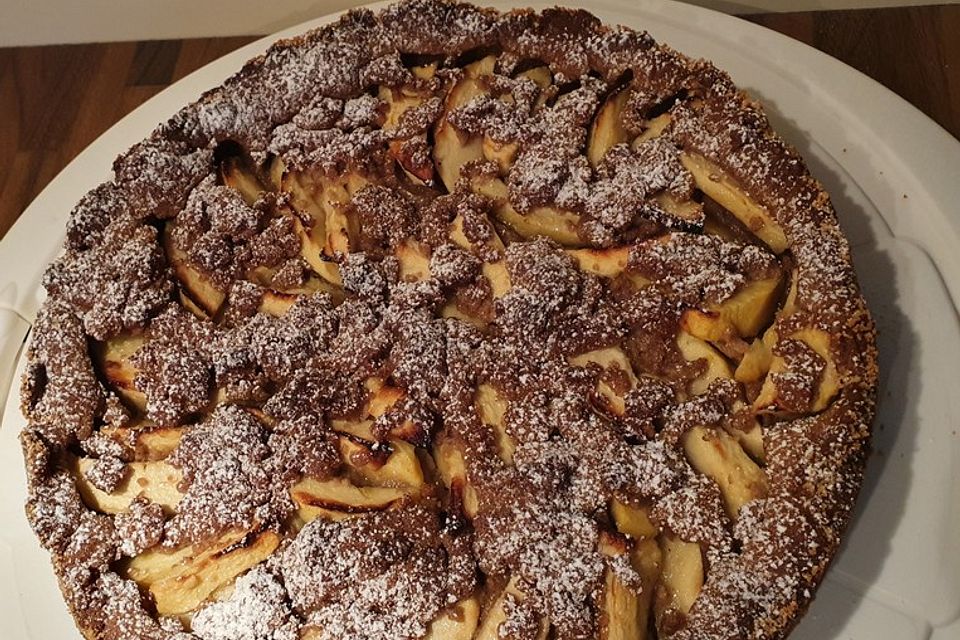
(548, 222)
(394, 464)
(624, 608)
(203, 293)
(457, 622)
(609, 262)
(618, 377)
(607, 128)
(155, 480)
(682, 575)
(723, 189)
(817, 370)
(238, 173)
(448, 454)
(693, 349)
(742, 315)
(452, 149)
(113, 357)
(495, 614)
(491, 407)
(181, 580)
(338, 498)
(717, 455)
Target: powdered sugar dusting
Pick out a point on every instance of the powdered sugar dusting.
(348, 302)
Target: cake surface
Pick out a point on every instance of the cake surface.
(453, 324)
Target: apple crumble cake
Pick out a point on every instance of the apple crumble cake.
(453, 324)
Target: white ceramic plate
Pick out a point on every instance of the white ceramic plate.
(893, 177)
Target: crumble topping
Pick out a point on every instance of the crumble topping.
(267, 389)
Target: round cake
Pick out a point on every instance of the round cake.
(447, 323)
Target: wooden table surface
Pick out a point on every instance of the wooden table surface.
(55, 100)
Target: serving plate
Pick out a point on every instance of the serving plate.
(892, 175)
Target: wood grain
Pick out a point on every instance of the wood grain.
(915, 51)
(54, 101)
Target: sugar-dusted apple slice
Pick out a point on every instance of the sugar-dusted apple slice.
(682, 574)
(654, 128)
(238, 173)
(609, 262)
(496, 272)
(114, 359)
(724, 189)
(452, 149)
(495, 614)
(717, 455)
(625, 607)
(502, 153)
(813, 366)
(200, 289)
(414, 259)
(694, 349)
(632, 520)
(617, 379)
(148, 442)
(548, 222)
(448, 454)
(492, 407)
(456, 622)
(155, 480)
(394, 464)
(743, 314)
(180, 581)
(607, 128)
(339, 498)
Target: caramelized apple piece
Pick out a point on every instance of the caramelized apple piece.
(502, 153)
(608, 263)
(615, 361)
(155, 480)
(313, 252)
(680, 582)
(756, 361)
(769, 399)
(688, 210)
(181, 580)
(414, 260)
(451, 465)
(451, 148)
(382, 397)
(491, 407)
(720, 186)
(496, 272)
(625, 609)
(200, 289)
(694, 349)
(607, 128)
(398, 467)
(744, 314)
(457, 622)
(548, 222)
(717, 455)
(114, 360)
(338, 498)
(149, 442)
(654, 129)
(746, 430)
(495, 615)
(237, 173)
(632, 521)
